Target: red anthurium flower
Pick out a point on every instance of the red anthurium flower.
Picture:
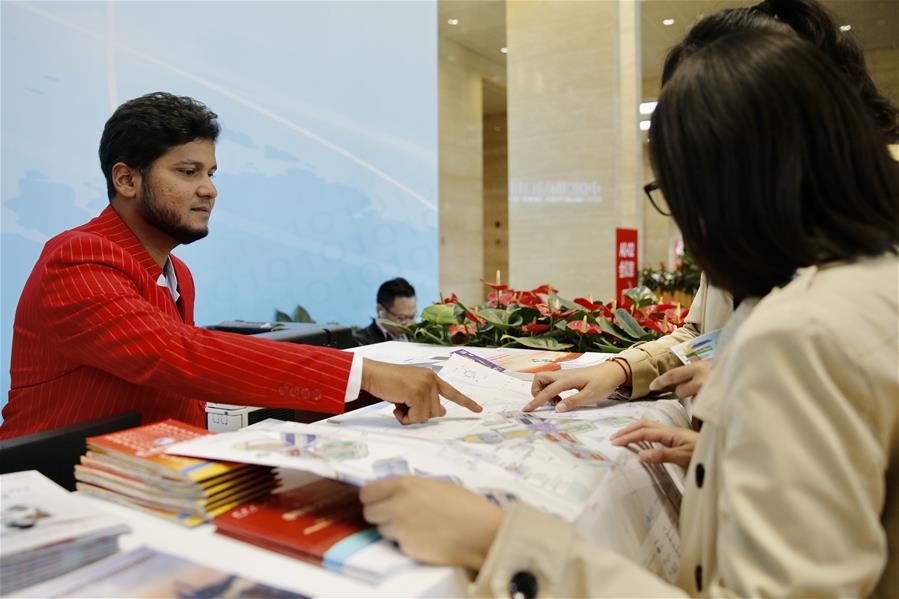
(606, 313)
(504, 299)
(528, 298)
(545, 290)
(497, 286)
(551, 313)
(586, 303)
(662, 307)
(474, 317)
(583, 327)
(649, 323)
(452, 299)
(459, 333)
(535, 327)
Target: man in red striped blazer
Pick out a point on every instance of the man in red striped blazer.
(105, 321)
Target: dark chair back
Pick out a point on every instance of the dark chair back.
(55, 452)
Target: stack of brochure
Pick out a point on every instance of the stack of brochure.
(131, 467)
(47, 531)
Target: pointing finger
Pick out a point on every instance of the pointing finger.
(456, 396)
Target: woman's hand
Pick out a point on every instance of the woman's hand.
(433, 521)
(679, 442)
(592, 384)
(687, 379)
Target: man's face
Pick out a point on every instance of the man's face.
(177, 193)
(403, 311)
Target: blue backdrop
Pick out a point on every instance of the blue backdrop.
(327, 161)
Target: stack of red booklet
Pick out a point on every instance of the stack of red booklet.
(131, 467)
(320, 523)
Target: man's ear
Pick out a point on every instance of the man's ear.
(126, 180)
(380, 310)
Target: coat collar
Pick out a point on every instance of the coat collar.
(110, 225)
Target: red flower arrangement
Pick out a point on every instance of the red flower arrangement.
(540, 319)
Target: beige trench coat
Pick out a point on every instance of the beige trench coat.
(793, 490)
(710, 311)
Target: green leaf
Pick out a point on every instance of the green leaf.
(388, 322)
(565, 303)
(527, 314)
(300, 314)
(282, 317)
(547, 343)
(439, 314)
(423, 335)
(641, 296)
(609, 327)
(500, 318)
(628, 324)
(608, 348)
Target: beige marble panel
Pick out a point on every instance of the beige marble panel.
(574, 161)
(461, 168)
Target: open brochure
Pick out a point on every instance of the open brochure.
(556, 461)
(704, 347)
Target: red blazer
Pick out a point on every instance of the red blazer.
(95, 336)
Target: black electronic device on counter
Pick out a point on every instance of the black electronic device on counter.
(329, 335)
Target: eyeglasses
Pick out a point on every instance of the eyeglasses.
(655, 198)
(401, 318)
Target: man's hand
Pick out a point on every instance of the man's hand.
(415, 391)
(679, 442)
(593, 385)
(433, 521)
(687, 379)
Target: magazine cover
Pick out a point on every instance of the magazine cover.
(321, 523)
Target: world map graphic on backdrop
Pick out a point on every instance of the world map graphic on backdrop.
(327, 161)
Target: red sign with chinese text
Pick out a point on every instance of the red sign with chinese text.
(625, 261)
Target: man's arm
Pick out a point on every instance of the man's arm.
(93, 311)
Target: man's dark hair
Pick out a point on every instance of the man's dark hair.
(769, 162)
(392, 289)
(143, 129)
(810, 21)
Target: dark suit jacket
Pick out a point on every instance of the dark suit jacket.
(370, 334)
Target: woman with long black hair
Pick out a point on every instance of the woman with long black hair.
(788, 198)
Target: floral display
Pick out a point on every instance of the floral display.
(541, 319)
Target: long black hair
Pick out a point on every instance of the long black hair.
(810, 21)
(769, 162)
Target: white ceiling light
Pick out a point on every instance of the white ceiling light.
(647, 107)
(504, 50)
(845, 27)
(668, 22)
(453, 21)
(644, 125)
